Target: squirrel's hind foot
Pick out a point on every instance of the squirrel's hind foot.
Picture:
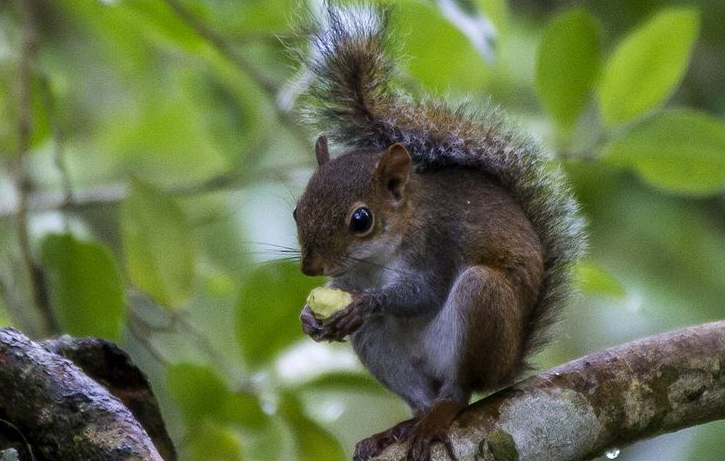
(433, 427)
(375, 444)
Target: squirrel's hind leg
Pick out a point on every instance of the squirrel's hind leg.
(386, 349)
(480, 311)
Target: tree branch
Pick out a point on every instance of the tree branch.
(602, 401)
(62, 412)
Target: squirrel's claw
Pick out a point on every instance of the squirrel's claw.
(433, 427)
(375, 444)
(344, 322)
(311, 325)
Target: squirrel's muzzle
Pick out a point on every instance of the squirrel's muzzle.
(310, 265)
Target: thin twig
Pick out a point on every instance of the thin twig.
(199, 340)
(22, 436)
(270, 87)
(116, 192)
(135, 326)
(47, 322)
(58, 141)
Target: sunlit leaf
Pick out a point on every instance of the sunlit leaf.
(497, 11)
(647, 65)
(211, 441)
(313, 442)
(592, 278)
(268, 310)
(160, 255)
(468, 18)
(161, 21)
(681, 150)
(353, 382)
(567, 65)
(85, 286)
(197, 390)
(438, 54)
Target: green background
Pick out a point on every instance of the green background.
(165, 156)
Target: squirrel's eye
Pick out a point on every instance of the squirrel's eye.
(361, 221)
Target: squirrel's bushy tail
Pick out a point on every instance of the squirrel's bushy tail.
(352, 102)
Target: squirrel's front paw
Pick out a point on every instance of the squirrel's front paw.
(346, 321)
(311, 325)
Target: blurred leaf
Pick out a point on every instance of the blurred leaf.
(592, 278)
(568, 63)
(497, 11)
(8, 109)
(473, 23)
(231, 117)
(258, 16)
(268, 310)
(244, 409)
(85, 286)
(313, 442)
(647, 65)
(160, 255)
(679, 150)
(164, 141)
(440, 55)
(211, 441)
(198, 391)
(353, 382)
(159, 20)
(38, 112)
(4, 319)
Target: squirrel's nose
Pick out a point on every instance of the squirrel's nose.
(311, 265)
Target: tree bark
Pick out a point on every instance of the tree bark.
(59, 412)
(599, 402)
(573, 412)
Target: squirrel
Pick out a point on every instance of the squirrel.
(452, 233)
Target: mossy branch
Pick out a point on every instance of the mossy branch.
(60, 413)
(602, 401)
(576, 411)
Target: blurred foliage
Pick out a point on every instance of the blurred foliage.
(162, 165)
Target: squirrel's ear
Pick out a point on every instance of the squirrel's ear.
(321, 152)
(393, 169)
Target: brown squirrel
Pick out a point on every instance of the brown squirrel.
(451, 232)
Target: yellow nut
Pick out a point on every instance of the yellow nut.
(326, 301)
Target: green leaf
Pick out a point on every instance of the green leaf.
(496, 11)
(592, 278)
(441, 57)
(680, 150)
(85, 286)
(162, 23)
(211, 441)
(313, 442)
(647, 65)
(198, 391)
(478, 28)
(268, 310)
(4, 319)
(160, 255)
(244, 409)
(353, 382)
(567, 65)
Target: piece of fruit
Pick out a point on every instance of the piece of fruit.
(326, 301)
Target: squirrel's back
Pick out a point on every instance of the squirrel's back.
(352, 101)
